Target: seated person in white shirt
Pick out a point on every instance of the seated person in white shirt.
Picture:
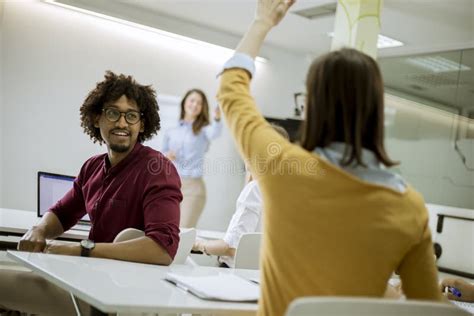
(246, 219)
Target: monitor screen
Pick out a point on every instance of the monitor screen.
(51, 188)
(292, 126)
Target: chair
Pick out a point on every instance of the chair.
(186, 241)
(349, 306)
(187, 236)
(129, 233)
(247, 255)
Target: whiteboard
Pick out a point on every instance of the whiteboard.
(169, 110)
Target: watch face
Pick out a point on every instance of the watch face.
(88, 244)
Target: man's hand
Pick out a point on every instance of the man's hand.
(217, 113)
(466, 289)
(58, 248)
(34, 240)
(199, 245)
(271, 12)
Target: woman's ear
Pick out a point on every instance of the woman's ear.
(142, 126)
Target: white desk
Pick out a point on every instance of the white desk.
(123, 287)
(17, 223)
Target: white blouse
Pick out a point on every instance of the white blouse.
(246, 219)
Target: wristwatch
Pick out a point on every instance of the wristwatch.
(86, 247)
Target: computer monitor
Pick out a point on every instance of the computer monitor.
(51, 188)
(292, 126)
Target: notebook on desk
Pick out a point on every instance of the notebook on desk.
(469, 307)
(222, 287)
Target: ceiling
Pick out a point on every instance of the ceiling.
(428, 25)
(424, 26)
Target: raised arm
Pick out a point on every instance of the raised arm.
(268, 14)
(165, 148)
(257, 141)
(166, 143)
(214, 130)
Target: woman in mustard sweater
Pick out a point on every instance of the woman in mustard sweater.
(336, 221)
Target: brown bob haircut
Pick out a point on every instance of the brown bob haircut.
(203, 118)
(110, 90)
(345, 103)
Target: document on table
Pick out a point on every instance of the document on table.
(469, 307)
(255, 280)
(223, 287)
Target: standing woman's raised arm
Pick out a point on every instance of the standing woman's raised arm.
(214, 130)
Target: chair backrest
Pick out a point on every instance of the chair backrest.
(129, 233)
(187, 236)
(345, 306)
(247, 255)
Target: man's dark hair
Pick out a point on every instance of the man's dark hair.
(110, 90)
(345, 104)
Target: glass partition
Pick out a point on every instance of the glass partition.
(430, 123)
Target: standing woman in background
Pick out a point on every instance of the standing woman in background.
(186, 145)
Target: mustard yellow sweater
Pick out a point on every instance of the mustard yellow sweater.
(326, 232)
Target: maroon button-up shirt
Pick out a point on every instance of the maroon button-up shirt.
(142, 191)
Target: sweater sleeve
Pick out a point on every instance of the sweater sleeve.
(257, 141)
(418, 270)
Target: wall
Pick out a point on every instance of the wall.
(2, 151)
(53, 57)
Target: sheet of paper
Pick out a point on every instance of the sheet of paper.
(469, 307)
(222, 287)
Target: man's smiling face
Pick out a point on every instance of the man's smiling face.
(120, 136)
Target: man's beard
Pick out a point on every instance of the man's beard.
(119, 148)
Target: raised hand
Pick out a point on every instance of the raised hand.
(272, 11)
(268, 14)
(217, 113)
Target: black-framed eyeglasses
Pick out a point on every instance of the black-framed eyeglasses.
(113, 115)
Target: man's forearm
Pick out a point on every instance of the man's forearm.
(50, 225)
(143, 249)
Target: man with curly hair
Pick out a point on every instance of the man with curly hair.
(131, 186)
